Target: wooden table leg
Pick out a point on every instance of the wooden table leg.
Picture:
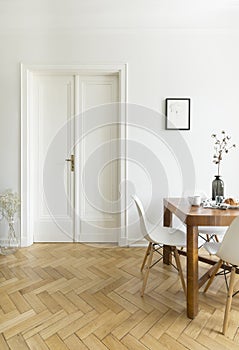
(192, 271)
(167, 221)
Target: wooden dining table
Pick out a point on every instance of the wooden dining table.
(193, 217)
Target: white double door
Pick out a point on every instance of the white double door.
(75, 150)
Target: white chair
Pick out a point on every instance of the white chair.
(227, 251)
(157, 237)
(212, 233)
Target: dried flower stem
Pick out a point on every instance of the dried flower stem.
(221, 146)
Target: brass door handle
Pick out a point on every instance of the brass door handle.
(72, 160)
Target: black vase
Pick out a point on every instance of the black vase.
(217, 187)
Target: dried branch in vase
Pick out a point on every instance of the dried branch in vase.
(222, 145)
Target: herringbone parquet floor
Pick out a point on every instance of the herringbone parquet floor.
(78, 296)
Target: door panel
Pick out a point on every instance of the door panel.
(98, 171)
(54, 206)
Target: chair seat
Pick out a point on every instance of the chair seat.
(212, 247)
(215, 230)
(211, 233)
(167, 236)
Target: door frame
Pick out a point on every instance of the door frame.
(27, 125)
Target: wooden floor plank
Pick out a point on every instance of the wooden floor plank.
(36, 343)
(132, 343)
(152, 343)
(49, 302)
(6, 303)
(115, 307)
(163, 324)
(170, 342)
(93, 302)
(90, 328)
(79, 302)
(178, 326)
(125, 327)
(54, 342)
(113, 343)
(17, 343)
(3, 343)
(62, 323)
(34, 301)
(190, 343)
(146, 324)
(93, 343)
(48, 322)
(74, 326)
(211, 343)
(4, 326)
(122, 302)
(19, 302)
(195, 326)
(109, 325)
(64, 303)
(74, 343)
(27, 324)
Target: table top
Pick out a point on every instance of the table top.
(199, 216)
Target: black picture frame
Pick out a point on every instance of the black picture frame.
(177, 111)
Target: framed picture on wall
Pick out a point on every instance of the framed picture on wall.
(177, 112)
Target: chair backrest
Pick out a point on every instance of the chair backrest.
(142, 217)
(228, 250)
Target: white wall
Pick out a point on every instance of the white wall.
(170, 51)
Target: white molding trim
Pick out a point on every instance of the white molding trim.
(26, 184)
(123, 82)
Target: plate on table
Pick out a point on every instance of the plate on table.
(209, 203)
(231, 203)
(233, 206)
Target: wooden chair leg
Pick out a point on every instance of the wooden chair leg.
(216, 239)
(146, 256)
(180, 271)
(217, 267)
(147, 269)
(229, 300)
